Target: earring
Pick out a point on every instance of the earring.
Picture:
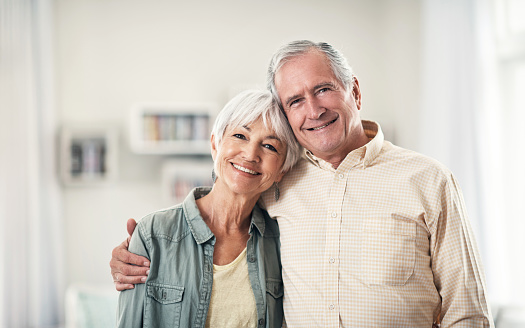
(276, 192)
(213, 176)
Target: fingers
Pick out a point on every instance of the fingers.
(130, 225)
(119, 278)
(127, 268)
(120, 287)
(125, 275)
(121, 254)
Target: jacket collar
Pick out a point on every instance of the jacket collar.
(199, 229)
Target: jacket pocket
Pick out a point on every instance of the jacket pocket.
(388, 251)
(274, 302)
(163, 305)
(274, 287)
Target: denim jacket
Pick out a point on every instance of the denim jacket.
(178, 288)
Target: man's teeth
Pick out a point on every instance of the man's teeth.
(244, 169)
(320, 127)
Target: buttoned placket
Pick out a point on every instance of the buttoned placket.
(255, 280)
(332, 250)
(207, 282)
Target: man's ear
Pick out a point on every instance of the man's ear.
(356, 93)
(213, 147)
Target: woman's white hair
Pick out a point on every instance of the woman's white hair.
(246, 108)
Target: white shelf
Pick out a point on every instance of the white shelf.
(171, 128)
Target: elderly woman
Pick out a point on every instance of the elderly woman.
(215, 258)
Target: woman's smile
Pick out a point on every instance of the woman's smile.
(244, 169)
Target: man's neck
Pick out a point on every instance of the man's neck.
(338, 157)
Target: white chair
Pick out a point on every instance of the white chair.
(91, 306)
(510, 317)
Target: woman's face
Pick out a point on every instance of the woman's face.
(249, 158)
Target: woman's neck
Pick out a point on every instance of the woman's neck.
(228, 216)
(226, 211)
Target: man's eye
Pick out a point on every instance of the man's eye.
(294, 102)
(272, 148)
(323, 90)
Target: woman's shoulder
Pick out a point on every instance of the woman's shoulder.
(168, 223)
(271, 228)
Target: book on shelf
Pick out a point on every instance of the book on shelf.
(175, 127)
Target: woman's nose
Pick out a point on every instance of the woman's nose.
(251, 152)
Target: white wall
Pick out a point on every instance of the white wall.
(111, 54)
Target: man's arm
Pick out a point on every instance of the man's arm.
(130, 310)
(456, 265)
(128, 268)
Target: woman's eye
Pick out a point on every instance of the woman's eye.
(272, 148)
(239, 136)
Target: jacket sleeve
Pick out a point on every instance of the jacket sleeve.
(130, 310)
(456, 264)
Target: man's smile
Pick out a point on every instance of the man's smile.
(322, 126)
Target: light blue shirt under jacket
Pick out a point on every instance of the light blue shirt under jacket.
(178, 288)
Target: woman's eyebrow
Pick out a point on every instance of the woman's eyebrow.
(273, 137)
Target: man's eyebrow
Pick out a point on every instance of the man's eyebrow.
(324, 84)
(292, 98)
(316, 87)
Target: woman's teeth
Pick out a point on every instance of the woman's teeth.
(240, 168)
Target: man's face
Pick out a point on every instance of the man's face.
(322, 114)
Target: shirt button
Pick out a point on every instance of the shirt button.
(332, 260)
(341, 176)
(252, 259)
(331, 306)
(334, 214)
(261, 322)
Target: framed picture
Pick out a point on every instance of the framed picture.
(88, 155)
(179, 177)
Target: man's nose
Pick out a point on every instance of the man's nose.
(314, 108)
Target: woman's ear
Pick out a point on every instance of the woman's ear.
(279, 177)
(213, 147)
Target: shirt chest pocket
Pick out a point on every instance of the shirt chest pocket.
(388, 251)
(163, 305)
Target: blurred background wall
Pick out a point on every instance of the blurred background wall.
(113, 54)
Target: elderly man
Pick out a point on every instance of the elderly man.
(372, 235)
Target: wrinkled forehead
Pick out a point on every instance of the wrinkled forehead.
(304, 71)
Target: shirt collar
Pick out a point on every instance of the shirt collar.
(199, 229)
(364, 155)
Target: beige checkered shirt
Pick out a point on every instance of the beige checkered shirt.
(383, 241)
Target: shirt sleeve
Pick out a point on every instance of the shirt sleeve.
(456, 264)
(130, 308)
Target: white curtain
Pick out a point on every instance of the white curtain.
(31, 270)
(460, 121)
